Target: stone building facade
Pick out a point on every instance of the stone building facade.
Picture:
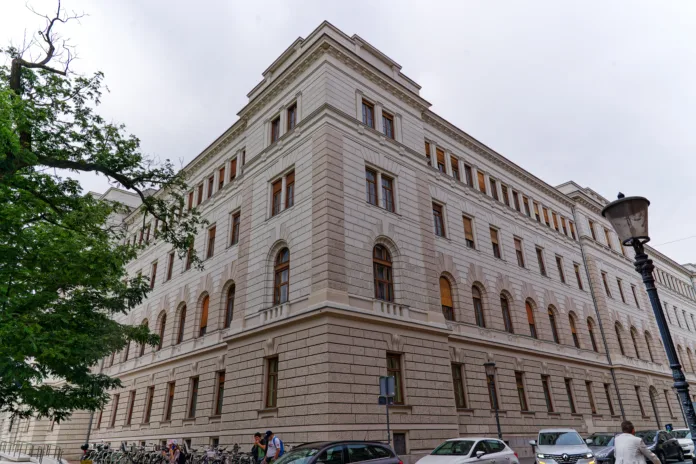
(354, 233)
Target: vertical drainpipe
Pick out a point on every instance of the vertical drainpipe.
(599, 318)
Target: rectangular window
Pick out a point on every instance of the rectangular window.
(458, 380)
(546, 216)
(559, 264)
(275, 129)
(236, 218)
(669, 406)
(518, 252)
(193, 398)
(292, 117)
(592, 229)
(606, 284)
(290, 189)
(277, 187)
(211, 185)
(492, 391)
(469, 232)
(686, 321)
(170, 401)
(114, 410)
(555, 221)
(272, 382)
(220, 393)
(147, 234)
(516, 200)
(170, 266)
(495, 242)
(468, 173)
(400, 443)
(618, 283)
(572, 230)
(153, 275)
(199, 200)
(455, 167)
(494, 189)
(536, 211)
(590, 397)
(576, 267)
(371, 186)
(525, 202)
(388, 125)
(519, 380)
(440, 155)
(569, 392)
(427, 153)
(148, 406)
(131, 404)
(368, 114)
(506, 196)
(394, 370)
(221, 178)
(388, 193)
(564, 226)
(140, 239)
(190, 200)
(233, 169)
(243, 157)
(640, 402)
(211, 242)
(607, 393)
(481, 181)
(546, 385)
(540, 260)
(607, 237)
(439, 220)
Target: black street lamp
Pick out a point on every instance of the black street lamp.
(629, 216)
(490, 381)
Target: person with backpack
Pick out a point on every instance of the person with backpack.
(258, 451)
(274, 448)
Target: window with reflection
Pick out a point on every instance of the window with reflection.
(382, 265)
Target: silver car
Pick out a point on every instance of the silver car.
(561, 446)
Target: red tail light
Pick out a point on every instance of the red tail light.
(401, 462)
(516, 455)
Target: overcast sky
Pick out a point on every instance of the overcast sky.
(603, 93)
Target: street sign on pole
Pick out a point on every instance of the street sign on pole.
(387, 391)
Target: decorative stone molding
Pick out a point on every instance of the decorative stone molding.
(270, 347)
(395, 342)
(476, 275)
(194, 368)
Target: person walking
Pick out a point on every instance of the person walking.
(174, 453)
(258, 450)
(274, 448)
(629, 449)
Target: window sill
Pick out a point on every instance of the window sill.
(594, 414)
(267, 413)
(382, 209)
(281, 212)
(400, 408)
(166, 422)
(189, 420)
(215, 418)
(468, 411)
(576, 414)
(528, 413)
(554, 413)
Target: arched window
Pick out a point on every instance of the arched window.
(478, 307)
(691, 359)
(554, 328)
(574, 331)
(229, 305)
(507, 318)
(281, 281)
(182, 326)
(204, 316)
(653, 402)
(590, 329)
(617, 328)
(142, 345)
(446, 299)
(162, 325)
(382, 263)
(648, 345)
(634, 339)
(530, 319)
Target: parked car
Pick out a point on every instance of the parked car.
(561, 446)
(662, 444)
(602, 446)
(340, 452)
(683, 436)
(471, 450)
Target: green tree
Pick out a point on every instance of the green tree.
(62, 262)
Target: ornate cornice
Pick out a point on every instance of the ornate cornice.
(492, 156)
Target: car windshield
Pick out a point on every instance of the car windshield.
(602, 440)
(647, 436)
(454, 448)
(297, 456)
(680, 433)
(560, 438)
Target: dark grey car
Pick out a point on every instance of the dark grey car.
(340, 452)
(662, 444)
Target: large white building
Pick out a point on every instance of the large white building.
(354, 233)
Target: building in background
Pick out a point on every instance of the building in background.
(354, 233)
